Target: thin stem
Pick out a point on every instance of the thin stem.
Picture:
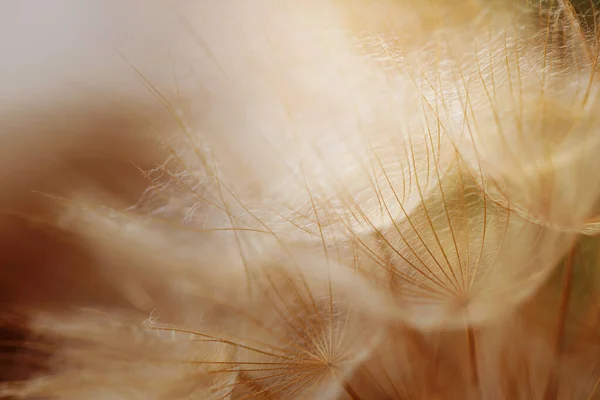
(471, 342)
(551, 392)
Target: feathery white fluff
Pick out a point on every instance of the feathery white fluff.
(354, 200)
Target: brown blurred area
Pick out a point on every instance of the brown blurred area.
(48, 156)
(75, 122)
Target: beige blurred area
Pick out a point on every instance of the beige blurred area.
(69, 46)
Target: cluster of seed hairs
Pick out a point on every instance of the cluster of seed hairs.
(366, 200)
